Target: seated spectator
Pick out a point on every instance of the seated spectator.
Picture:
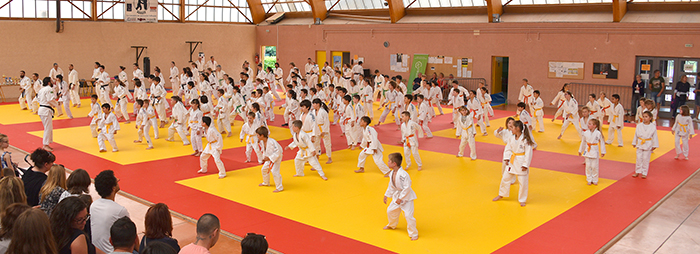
(6, 158)
(208, 229)
(53, 188)
(78, 183)
(9, 216)
(123, 236)
(87, 199)
(104, 211)
(254, 244)
(67, 223)
(7, 172)
(34, 179)
(11, 191)
(158, 248)
(31, 233)
(159, 227)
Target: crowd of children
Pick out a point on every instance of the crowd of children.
(206, 103)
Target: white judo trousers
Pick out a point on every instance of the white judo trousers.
(378, 159)
(592, 170)
(110, 138)
(196, 141)
(507, 180)
(144, 133)
(47, 121)
(204, 160)
(467, 139)
(66, 106)
(642, 164)
(682, 148)
(176, 127)
(426, 129)
(153, 124)
(326, 143)
(611, 135)
(300, 160)
(274, 169)
(223, 123)
(407, 151)
(393, 212)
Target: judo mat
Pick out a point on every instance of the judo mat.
(345, 214)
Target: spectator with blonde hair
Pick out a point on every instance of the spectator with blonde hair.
(53, 188)
(11, 191)
(9, 216)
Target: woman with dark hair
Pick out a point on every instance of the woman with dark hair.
(158, 248)
(11, 191)
(33, 236)
(78, 183)
(159, 227)
(34, 179)
(67, 222)
(9, 215)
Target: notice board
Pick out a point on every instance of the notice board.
(565, 70)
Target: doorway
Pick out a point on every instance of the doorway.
(499, 79)
(321, 59)
(672, 69)
(339, 58)
(269, 54)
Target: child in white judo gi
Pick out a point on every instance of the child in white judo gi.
(153, 122)
(402, 195)
(222, 111)
(616, 120)
(466, 132)
(424, 114)
(123, 96)
(485, 100)
(194, 127)
(389, 104)
(518, 155)
(477, 111)
(640, 110)
(249, 137)
(366, 94)
(95, 113)
(142, 123)
(683, 130)
(538, 114)
(410, 132)
(594, 107)
(324, 125)
(307, 151)
(214, 148)
(272, 157)
(645, 140)
(371, 146)
(570, 114)
(505, 134)
(179, 124)
(592, 148)
(457, 102)
(108, 127)
(559, 100)
(605, 106)
(525, 94)
(349, 122)
(291, 108)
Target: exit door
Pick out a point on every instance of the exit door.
(499, 76)
(672, 69)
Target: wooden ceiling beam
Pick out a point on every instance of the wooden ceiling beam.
(396, 10)
(256, 11)
(318, 9)
(494, 7)
(619, 9)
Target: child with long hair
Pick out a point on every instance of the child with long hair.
(559, 100)
(517, 155)
(570, 114)
(195, 127)
(645, 140)
(466, 132)
(683, 129)
(592, 148)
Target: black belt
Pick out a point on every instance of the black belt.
(53, 111)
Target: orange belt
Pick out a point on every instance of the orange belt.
(644, 140)
(683, 127)
(607, 107)
(535, 113)
(561, 104)
(512, 156)
(408, 142)
(589, 146)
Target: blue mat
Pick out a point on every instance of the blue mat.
(498, 99)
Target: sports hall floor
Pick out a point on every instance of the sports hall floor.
(345, 214)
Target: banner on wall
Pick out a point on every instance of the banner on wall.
(420, 61)
(141, 11)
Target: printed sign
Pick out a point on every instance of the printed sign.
(144, 11)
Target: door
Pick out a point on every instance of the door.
(269, 56)
(339, 58)
(499, 75)
(672, 69)
(321, 59)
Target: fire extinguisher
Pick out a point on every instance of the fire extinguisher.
(257, 59)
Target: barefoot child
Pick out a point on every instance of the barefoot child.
(518, 155)
(324, 125)
(402, 197)
(249, 137)
(646, 141)
(505, 134)
(389, 105)
(605, 106)
(595, 108)
(485, 100)
(590, 148)
(349, 123)
(272, 157)
(215, 145)
(424, 114)
(291, 108)
(457, 102)
(525, 92)
(409, 130)
(640, 110)
(371, 146)
(306, 153)
(570, 114)
(142, 123)
(683, 129)
(95, 113)
(467, 132)
(222, 112)
(179, 125)
(108, 128)
(616, 120)
(537, 112)
(476, 111)
(194, 127)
